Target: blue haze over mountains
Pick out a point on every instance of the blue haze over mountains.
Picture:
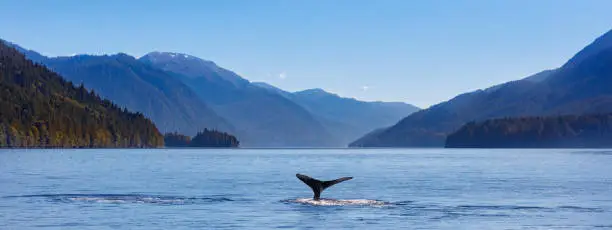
(263, 119)
(186, 94)
(346, 117)
(183, 93)
(272, 117)
(583, 85)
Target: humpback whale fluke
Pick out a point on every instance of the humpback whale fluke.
(318, 186)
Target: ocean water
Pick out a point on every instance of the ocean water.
(258, 189)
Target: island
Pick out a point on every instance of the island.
(205, 139)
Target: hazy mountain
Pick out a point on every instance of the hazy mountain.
(583, 85)
(347, 118)
(262, 118)
(170, 104)
(368, 137)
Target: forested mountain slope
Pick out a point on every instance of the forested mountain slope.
(38, 108)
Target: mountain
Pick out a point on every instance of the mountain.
(193, 67)
(39, 108)
(580, 86)
(571, 131)
(171, 104)
(261, 118)
(347, 118)
(365, 115)
(367, 137)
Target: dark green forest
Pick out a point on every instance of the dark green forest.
(39, 109)
(176, 140)
(206, 138)
(571, 131)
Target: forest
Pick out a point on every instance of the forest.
(39, 109)
(207, 138)
(570, 131)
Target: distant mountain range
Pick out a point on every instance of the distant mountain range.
(261, 118)
(347, 118)
(183, 93)
(266, 114)
(580, 86)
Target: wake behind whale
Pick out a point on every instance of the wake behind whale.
(318, 186)
(334, 202)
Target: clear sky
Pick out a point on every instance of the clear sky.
(417, 51)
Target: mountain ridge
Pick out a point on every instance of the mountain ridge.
(263, 119)
(348, 118)
(551, 94)
(123, 79)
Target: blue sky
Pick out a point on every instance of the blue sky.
(417, 51)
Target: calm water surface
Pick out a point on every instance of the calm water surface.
(257, 189)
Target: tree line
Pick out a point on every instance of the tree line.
(570, 131)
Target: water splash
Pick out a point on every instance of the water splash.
(333, 202)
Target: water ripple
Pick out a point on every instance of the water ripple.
(125, 198)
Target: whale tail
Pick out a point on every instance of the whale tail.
(318, 186)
